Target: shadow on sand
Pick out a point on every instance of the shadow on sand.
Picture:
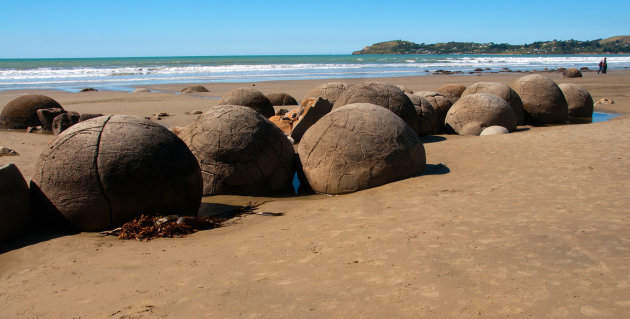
(432, 139)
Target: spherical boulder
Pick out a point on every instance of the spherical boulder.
(240, 152)
(250, 98)
(427, 116)
(278, 99)
(194, 89)
(21, 112)
(329, 91)
(384, 94)
(103, 172)
(474, 112)
(503, 91)
(543, 101)
(452, 91)
(579, 100)
(494, 130)
(441, 105)
(359, 146)
(572, 73)
(15, 208)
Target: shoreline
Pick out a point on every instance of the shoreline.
(528, 224)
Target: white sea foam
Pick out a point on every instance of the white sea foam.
(355, 67)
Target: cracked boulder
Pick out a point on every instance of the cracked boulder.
(441, 105)
(240, 152)
(427, 116)
(279, 99)
(543, 101)
(250, 98)
(503, 91)
(359, 146)
(580, 102)
(103, 172)
(474, 112)
(452, 91)
(15, 202)
(383, 94)
(21, 112)
(329, 91)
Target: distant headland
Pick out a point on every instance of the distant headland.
(612, 45)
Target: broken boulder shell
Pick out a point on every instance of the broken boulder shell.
(240, 152)
(359, 146)
(103, 172)
(278, 99)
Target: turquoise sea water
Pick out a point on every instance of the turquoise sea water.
(122, 73)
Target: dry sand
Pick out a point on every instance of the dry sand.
(532, 224)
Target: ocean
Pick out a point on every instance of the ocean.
(122, 74)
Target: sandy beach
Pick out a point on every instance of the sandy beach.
(532, 224)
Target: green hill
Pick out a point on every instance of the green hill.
(618, 44)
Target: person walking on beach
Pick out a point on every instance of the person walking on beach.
(601, 66)
(604, 66)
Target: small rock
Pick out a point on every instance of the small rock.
(161, 114)
(141, 90)
(494, 130)
(34, 129)
(196, 112)
(5, 151)
(605, 101)
(89, 90)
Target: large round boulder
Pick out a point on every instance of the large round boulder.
(503, 91)
(240, 152)
(250, 98)
(329, 91)
(359, 146)
(383, 94)
(572, 73)
(579, 100)
(474, 112)
(441, 105)
(278, 99)
(21, 112)
(427, 116)
(543, 101)
(452, 91)
(103, 172)
(15, 208)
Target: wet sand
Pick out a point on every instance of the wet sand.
(531, 224)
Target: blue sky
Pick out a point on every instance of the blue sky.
(165, 28)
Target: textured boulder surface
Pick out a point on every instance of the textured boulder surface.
(46, 117)
(452, 91)
(21, 112)
(441, 105)
(64, 120)
(194, 89)
(103, 172)
(250, 98)
(240, 152)
(427, 116)
(88, 116)
(15, 202)
(404, 89)
(359, 146)
(474, 112)
(281, 99)
(580, 102)
(572, 73)
(383, 94)
(329, 91)
(311, 111)
(494, 130)
(543, 101)
(503, 91)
